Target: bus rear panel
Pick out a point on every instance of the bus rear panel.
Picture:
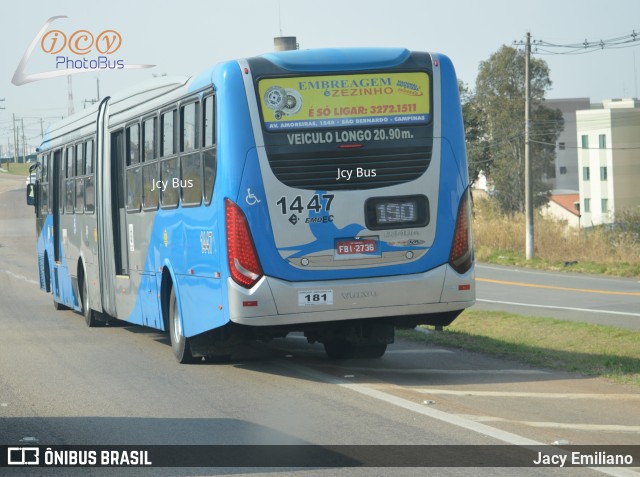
(355, 195)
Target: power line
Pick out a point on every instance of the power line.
(542, 47)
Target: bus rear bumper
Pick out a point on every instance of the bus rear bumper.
(274, 302)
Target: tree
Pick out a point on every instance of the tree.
(495, 125)
(479, 159)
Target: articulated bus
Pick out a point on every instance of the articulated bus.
(322, 191)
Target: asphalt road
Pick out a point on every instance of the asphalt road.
(62, 383)
(567, 296)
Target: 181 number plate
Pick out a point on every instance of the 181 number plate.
(315, 297)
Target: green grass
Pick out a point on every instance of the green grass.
(18, 169)
(592, 350)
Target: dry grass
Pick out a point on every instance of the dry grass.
(501, 239)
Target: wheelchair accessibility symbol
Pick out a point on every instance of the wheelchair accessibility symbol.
(251, 199)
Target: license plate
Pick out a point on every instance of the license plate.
(356, 247)
(315, 297)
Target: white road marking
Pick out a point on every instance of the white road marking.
(585, 310)
(557, 425)
(491, 372)
(590, 396)
(453, 419)
(419, 351)
(20, 277)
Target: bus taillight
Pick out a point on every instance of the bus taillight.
(244, 264)
(461, 256)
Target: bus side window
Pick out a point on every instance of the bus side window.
(80, 159)
(188, 127)
(149, 177)
(88, 158)
(134, 189)
(70, 188)
(45, 168)
(167, 134)
(43, 199)
(133, 145)
(70, 162)
(169, 167)
(209, 147)
(170, 170)
(150, 174)
(191, 173)
(89, 188)
(79, 181)
(208, 122)
(134, 170)
(149, 140)
(79, 191)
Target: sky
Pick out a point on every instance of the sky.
(186, 37)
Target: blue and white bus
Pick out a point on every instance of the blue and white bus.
(322, 191)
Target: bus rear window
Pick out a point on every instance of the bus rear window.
(382, 99)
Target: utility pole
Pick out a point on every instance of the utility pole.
(528, 182)
(24, 143)
(15, 141)
(71, 109)
(2, 107)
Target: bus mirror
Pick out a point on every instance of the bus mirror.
(31, 194)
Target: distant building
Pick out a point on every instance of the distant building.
(564, 206)
(608, 160)
(565, 172)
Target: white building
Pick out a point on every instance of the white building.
(565, 174)
(608, 160)
(563, 206)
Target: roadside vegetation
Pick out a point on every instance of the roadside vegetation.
(18, 169)
(591, 350)
(500, 239)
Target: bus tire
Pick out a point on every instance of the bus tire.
(218, 359)
(47, 274)
(339, 349)
(179, 344)
(59, 306)
(56, 304)
(89, 315)
(372, 351)
(343, 349)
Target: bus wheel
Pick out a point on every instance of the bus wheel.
(339, 349)
(372, 351)
(342, 349)
(47, 275)
(179, 344)
(56, 305)
(59, 306)
(89, 315)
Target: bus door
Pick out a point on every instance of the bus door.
(109, 257)
(118, 215)
(113, 252)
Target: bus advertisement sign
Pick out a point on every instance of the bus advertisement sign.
(345, 100)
